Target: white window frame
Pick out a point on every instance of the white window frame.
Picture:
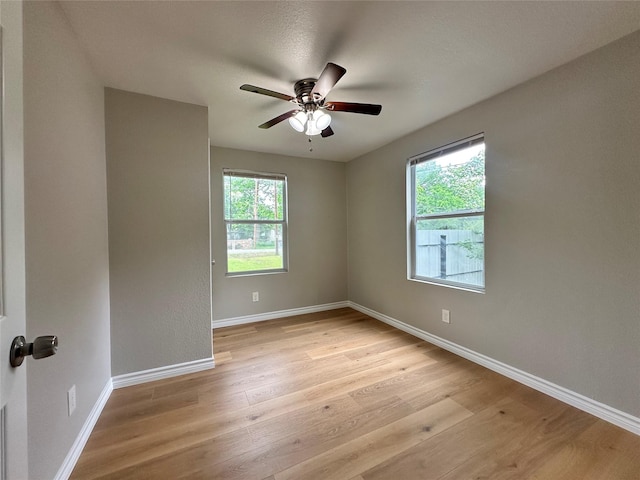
(413, 219)
(283, 223)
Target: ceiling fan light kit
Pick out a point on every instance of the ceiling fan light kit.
(310, 117)
(314, 122)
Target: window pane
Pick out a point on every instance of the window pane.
(254, 247)
(451, 183)
(451, 249)
(248, 198)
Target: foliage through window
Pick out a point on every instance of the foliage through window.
(446, 210)
(255, 215)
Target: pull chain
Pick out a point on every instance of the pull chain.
(310, 146)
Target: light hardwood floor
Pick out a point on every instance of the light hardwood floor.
(339, 395)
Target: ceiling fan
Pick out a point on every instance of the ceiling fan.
(311, 115)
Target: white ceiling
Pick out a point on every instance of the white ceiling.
(421, 60)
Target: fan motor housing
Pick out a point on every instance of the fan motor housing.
(303, 89)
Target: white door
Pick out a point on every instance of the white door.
(13, 412)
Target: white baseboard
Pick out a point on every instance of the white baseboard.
(260, 317)
(118, 382)
(600, 410)
(153, 374)
(81, 440)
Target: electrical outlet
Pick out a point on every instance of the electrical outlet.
(445, 316)
(71, 399)
(256, 296)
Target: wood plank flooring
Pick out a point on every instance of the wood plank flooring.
(339, 395)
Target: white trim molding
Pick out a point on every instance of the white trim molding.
(119, 382)
(600, 410)
(81, 440)
(153, 374)
(261, 317)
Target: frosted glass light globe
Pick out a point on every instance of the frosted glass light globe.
(298, 121)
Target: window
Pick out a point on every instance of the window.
(255, 215)
(446, 214)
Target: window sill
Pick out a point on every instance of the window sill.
(463, 287)
(254, 273)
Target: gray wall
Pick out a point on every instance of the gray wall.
(317, 237)
(158, 188)
(562, 229)
(67, 267)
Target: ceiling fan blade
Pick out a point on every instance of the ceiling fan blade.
(328, 78)
(366, 108)
(264, 91)
(278, 119)
(327, 132)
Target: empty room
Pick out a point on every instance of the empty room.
(354, 240)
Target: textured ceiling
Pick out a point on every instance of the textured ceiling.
(421, 60)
